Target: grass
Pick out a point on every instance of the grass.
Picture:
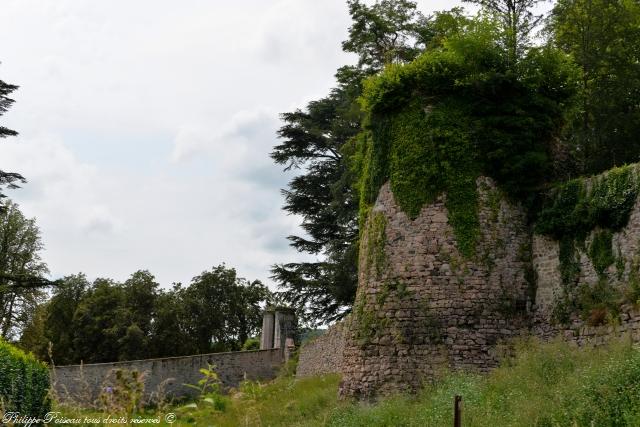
(544, 385)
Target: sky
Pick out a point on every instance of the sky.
(145, 127)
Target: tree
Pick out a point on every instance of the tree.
(319, 142)
(7, 179)
(324, 196)
(20, 247)
(517, 22)
(221, 309)
(59, 315)
(169, 329)
(603, 37)
(99, 322)
(314, 141)
(140, 301)
(387, 32)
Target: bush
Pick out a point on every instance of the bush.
(251, 344)
(24, 382)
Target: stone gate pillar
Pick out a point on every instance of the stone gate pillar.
(285, 322)
(266, 337)
(278, 326)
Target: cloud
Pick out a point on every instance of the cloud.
(146, 127)
(231, 142)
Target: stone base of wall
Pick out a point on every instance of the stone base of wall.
(324, 354)
(580, 334)
(422, 307)
(84, 383)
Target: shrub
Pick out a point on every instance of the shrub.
(24, 382)
(251, 344)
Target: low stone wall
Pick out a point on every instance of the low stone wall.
(84, 383)
(579, 333)
(323, 354)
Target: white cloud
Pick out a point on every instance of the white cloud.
(146, 127)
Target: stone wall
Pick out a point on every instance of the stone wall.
(421, 306)
(323, 354)
(580, 333)
(549, 286)
(84, 383)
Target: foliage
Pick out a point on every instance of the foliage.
(208, 389)
(517, 23)
(20, 270)
(321, 142)
(456, 112)
(59, 314)
(222, 310)
(105, 321)
(323, 195)
(376, 241)
(601, 252)
(209, 383)
(572, 210)
(251, 344)
(603, 37)
(7, 179)
(122, 393)
(387, 32)
(24, 382)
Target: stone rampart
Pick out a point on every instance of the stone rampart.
(84, 383)
(421, 306)
(323, 354)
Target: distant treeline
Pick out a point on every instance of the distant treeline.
(108, 321)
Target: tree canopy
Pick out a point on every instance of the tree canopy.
(106, 321)
(20, 263)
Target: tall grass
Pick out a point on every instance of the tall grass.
(544, 385)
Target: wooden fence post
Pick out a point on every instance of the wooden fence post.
(457, 412)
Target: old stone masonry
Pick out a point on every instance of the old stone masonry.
(422, 307)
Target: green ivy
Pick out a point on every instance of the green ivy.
(24, 382)
(426, 152)
(573, 210)
(601, 252)
(433, 126)
(376, 241)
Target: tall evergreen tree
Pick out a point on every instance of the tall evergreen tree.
(324, 196)
(7, 179)
(316, 141)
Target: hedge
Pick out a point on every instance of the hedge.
(24, 382)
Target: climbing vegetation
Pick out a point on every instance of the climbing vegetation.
(433, 126)
(376, 240)
(576, 209)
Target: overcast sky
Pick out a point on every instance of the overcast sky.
(145, 127)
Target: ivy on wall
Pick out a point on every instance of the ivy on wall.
(572, 211)
(435, 125)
